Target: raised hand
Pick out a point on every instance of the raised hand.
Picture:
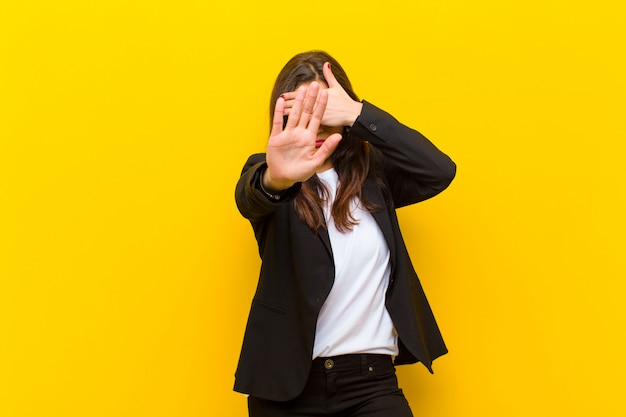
(341, 109)
(296, 152)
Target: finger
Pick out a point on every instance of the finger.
(288, 104)
(318, 113)
(309, 104)
(328, 74)
(277, 121)
(289, 95)
(328, 147)
(296, 109)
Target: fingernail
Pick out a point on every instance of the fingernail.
(282, 96)
(329, 65)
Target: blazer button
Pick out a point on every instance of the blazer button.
(329, 363)
(373, 127)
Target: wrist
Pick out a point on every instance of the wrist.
(270, 185)
(353, 113)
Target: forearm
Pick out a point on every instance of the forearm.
(252, 201)
(415, 168)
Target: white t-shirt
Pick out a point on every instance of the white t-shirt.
(353, 318)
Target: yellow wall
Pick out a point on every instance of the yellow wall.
(127, 273)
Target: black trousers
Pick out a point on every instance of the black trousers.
(359, 385)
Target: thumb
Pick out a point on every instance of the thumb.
(328, 74)
(327, 148)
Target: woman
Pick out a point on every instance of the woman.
(338, 303)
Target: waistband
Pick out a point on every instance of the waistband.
(352, 361)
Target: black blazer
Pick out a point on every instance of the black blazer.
(297, 270)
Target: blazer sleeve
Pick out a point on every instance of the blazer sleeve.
(252, 202)
(415, 169)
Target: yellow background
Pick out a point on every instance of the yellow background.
(127, 272)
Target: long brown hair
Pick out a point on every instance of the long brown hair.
(350, 159)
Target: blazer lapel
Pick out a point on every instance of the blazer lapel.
(375, 194)
(325, 238)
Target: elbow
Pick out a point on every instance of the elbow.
(447, 172)
(450, 172)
